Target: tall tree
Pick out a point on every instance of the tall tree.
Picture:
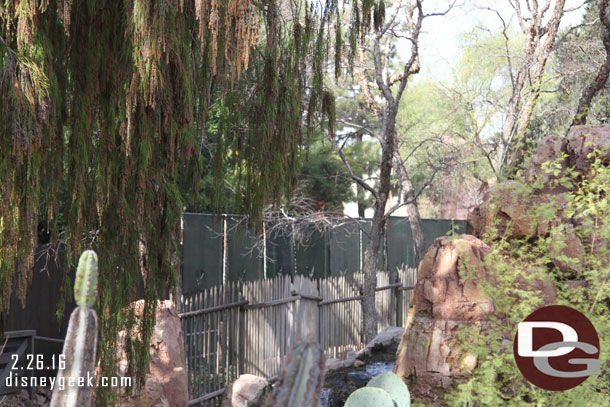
(577, 67)
(104, 110)
(388, 26)
(539, 23)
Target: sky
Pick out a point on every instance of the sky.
(439, 41)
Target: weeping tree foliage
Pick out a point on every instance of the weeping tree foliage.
(104, 113)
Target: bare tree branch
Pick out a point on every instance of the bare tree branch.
(356, 178)
(588, 93)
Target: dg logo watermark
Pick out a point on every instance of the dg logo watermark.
(556, 348)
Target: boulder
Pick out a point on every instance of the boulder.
(551, 148)
(165, 383)
(583, 140)
(385, 343)
(440, 291)
(443, 300)
(336, 364)
(247, 391)
(504, 212)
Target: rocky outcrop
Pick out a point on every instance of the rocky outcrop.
(507, 209)
(165, 383)
(537, 208)
(568, 152)
(444, 299)
(582, 141)
(447, 298)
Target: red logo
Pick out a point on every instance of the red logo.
(556, 348)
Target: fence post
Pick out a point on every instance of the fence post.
(32, 342)
(241, 339)
(399, 304)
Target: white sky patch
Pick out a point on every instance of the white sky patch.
(439, 40)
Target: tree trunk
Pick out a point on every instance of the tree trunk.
(582, 111)
(535, 79)
(408, 196)
(371, 255)
(417, 230)
(515, 124)
(510, 120)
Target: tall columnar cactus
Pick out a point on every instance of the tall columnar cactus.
(81, 340)
(302, 377)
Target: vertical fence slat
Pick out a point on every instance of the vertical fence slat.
(223, 344)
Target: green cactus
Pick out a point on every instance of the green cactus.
(81, 340)
(85, 287)
(384, 390)
(394, 386)
(368, 397)
(302, 377)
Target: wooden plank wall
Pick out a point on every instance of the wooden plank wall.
(340, 314)
(249, 327)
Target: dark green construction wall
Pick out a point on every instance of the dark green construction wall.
(331, 252)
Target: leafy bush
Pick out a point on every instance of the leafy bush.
(582, 210)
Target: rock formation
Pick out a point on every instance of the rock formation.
(166, 381)
(443, 300)
(447, 296)
(507, 208)
(247, 391)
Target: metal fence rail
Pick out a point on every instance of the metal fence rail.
(14, 347)
(248, 327)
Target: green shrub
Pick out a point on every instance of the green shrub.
(497, 381)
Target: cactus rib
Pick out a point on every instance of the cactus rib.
(302, 377)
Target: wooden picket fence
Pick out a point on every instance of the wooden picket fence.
(248, 327)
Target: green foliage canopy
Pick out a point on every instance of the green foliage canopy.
(104, 109)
